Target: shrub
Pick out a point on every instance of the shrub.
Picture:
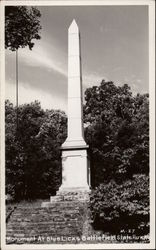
(122, 207)
(32, 150)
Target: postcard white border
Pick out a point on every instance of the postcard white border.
(151, 5)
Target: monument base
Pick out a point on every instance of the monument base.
(68, 195)
(75, 175)
(75, 168)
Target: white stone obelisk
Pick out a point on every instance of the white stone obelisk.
(75, 162)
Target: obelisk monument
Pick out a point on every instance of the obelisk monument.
(75, 161)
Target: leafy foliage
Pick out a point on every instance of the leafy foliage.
(33, 166)
(117, 131)
(22, 25)
(122, 207)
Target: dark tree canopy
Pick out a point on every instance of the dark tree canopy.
(22, 25)
(33, 158)
(117, 131)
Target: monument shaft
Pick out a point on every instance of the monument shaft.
(75, 161)
(75, 124)
(75, 108)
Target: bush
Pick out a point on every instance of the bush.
(33, 156)
(122, 207)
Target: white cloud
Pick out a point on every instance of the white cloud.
(27, 95)
(40, 57)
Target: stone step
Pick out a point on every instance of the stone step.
(62, 218)
(32, 231)
(57, 227)
(54, 218)
(44, 233)
(40, 227)
(50, 211)
(68, 214)
(51, 208)
(57, 232)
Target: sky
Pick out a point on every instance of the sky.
(114, 47)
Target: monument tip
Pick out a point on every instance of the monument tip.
(73, 27)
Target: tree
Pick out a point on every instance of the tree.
(22, 26)
(21, 149)
(51, 136)
(117, 131)
(33, 158)
(11, 147)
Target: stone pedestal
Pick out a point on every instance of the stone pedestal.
(75, 168)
